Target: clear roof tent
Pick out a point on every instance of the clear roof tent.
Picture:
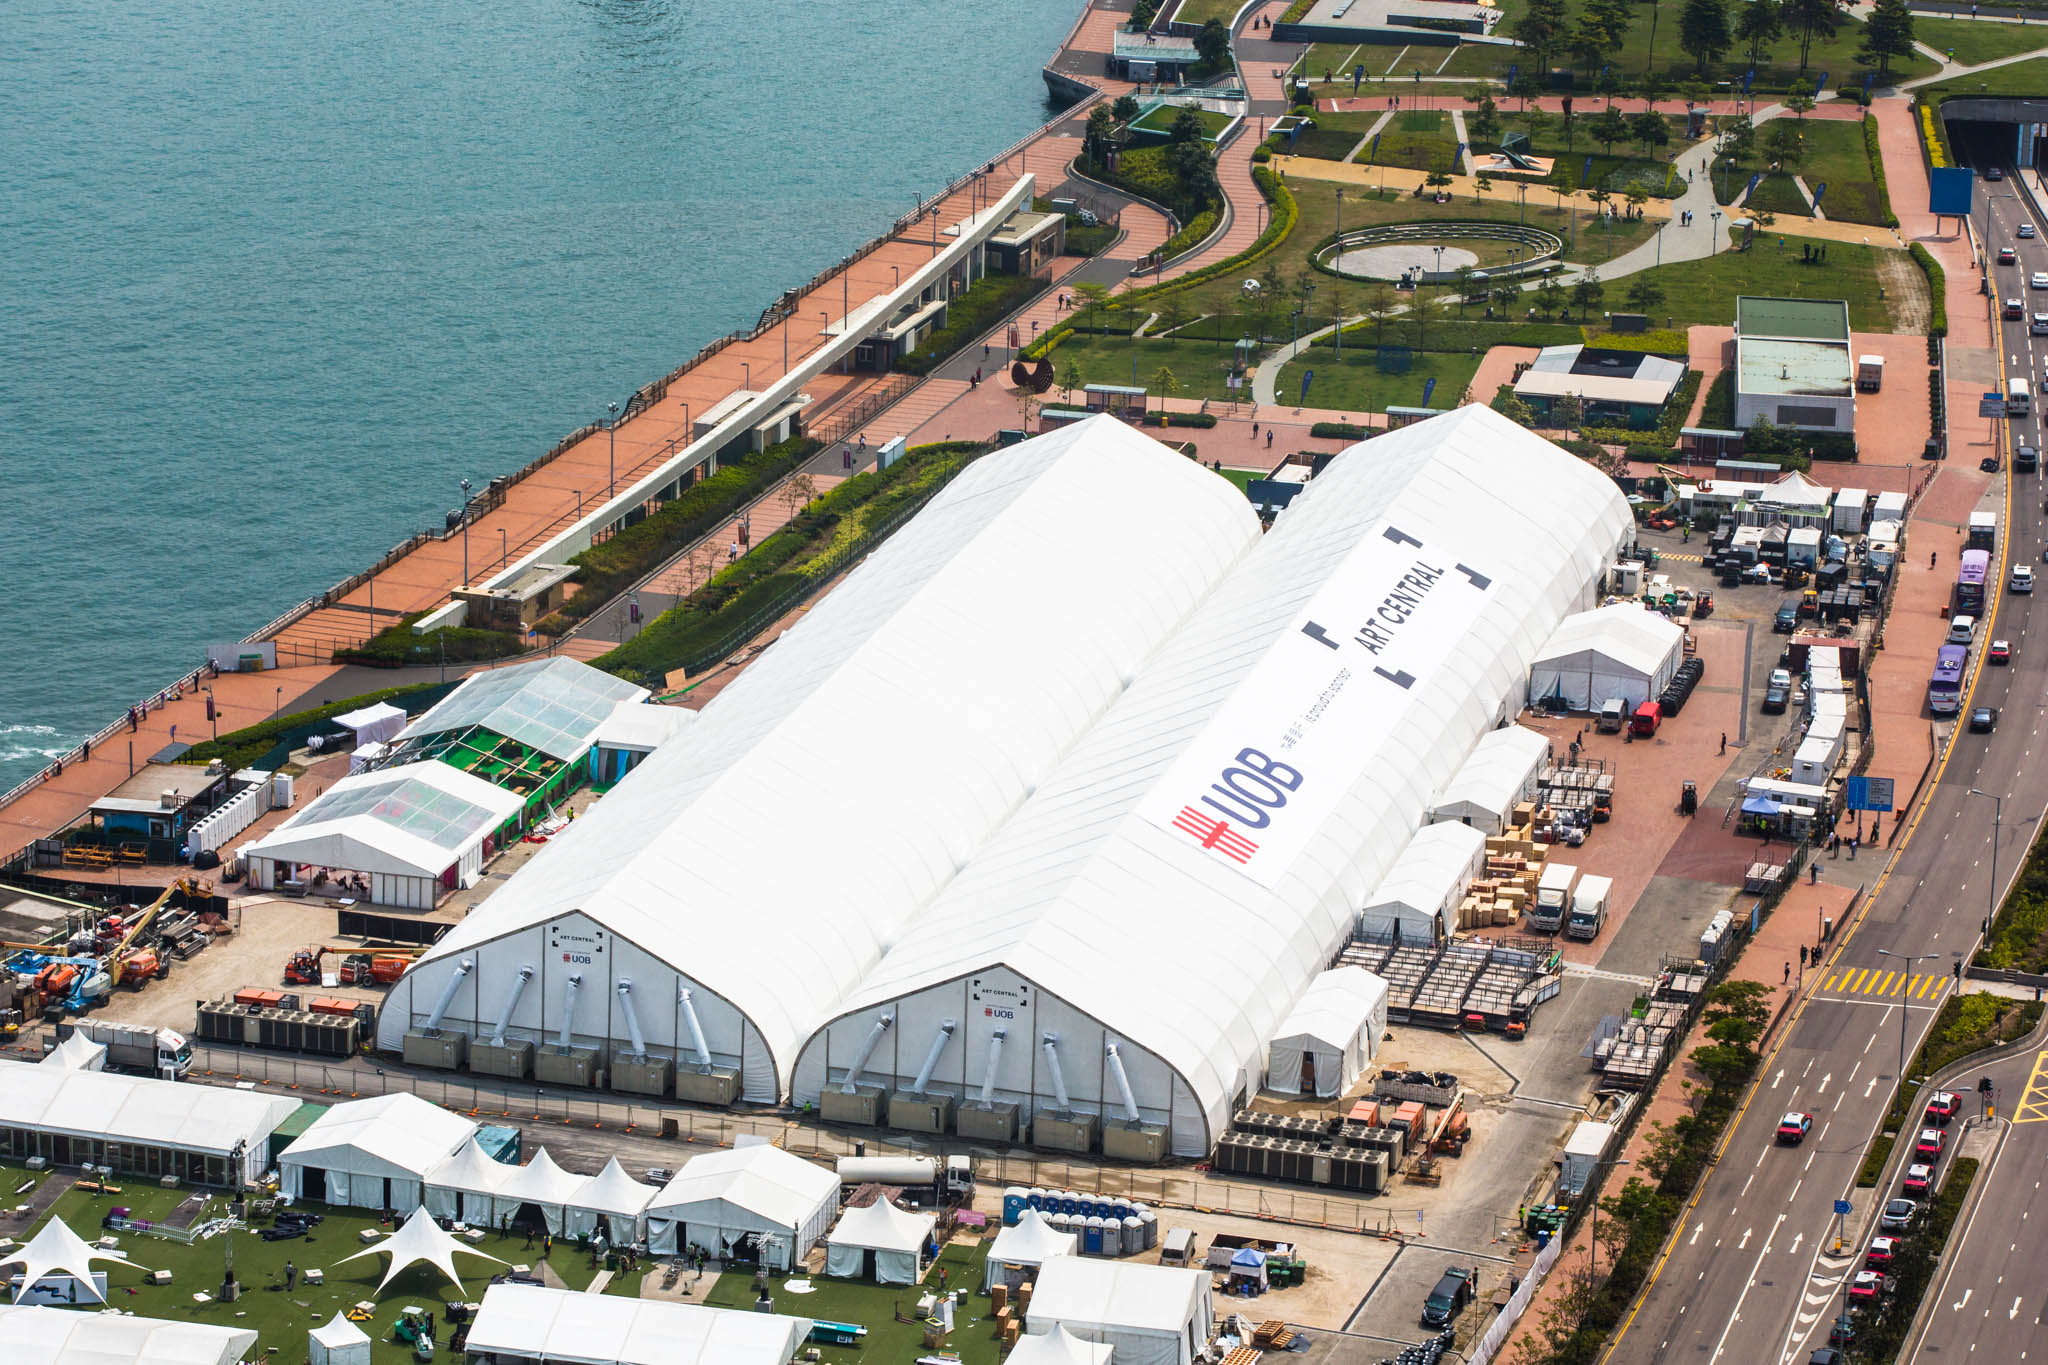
(409, 803)
(553, 705)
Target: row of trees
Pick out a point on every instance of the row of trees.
(1707, 30)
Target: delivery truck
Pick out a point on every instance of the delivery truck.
(1589, 907)
(925, 1181)
(1553, 897)
(1869, 373)
(161, 1052)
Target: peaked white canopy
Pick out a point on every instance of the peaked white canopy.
(77, 1053)
(340, 1342)
(896, 1237)
(614, 1197)
(1058, 1347)
(540, 1181)
(1024, 1246)
(375, 723)
(420, 1241)
(762, 1191)
(57, 1250)
(466, 1185)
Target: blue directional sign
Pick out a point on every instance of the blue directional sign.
(1951, 191)
(1991, 405)
(1844, 1206)
(1869, 793)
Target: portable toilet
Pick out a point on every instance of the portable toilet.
(1091, 1236)
(340, 1342)
(1015, 1201)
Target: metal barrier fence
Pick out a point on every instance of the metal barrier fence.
(1496, 1334)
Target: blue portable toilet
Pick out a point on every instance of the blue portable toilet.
(1014, 1204)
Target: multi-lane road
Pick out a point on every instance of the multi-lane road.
(1752, 1276)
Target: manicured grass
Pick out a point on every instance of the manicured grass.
(1161, 120)
(1705, 291)
(1198, 367)
(1834, 156)
(2021, 78)
(874, 1307)
(1337, 59)
(1356, 385)
(1613, 170)
(1332, 137)
(1202, 11)
(1242, 478)
(1776, 193)
(1419, 139)
(1973, 41)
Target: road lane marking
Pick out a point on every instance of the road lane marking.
(2033, 1102)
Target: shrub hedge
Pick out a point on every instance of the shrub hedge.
(1341, 431)
(396, 646)
(1658, 341)
(1933, 137)
(987, 302)
(1937, 286)
(1191, 236)
(1719, 410)
(1884, 194)
(1203, 420)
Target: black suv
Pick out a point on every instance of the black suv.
(1452, 1293)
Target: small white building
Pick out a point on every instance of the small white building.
(1149, 1314)
(1332, 1035)
(521, 1323)
(1792, 364)
(340, 1342)
(1501, 771)
(374, 1153)
(1417, 901)
(881, 1242)
(629, 734)
(758, 1198)
(1620, 651)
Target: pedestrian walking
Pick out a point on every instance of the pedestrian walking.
(1853, 841)
(1788, 974)
(1255, 431)
(984, 350)
(85, 751)
(1269, 438)
(291, 1276)
(1724, 741)
(1814, 868)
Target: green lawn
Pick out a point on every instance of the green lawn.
(2021, 78)
(1356, 385)
(1651, 168)
(1776, 193)
(1834, 156)
(1419, 139)
(1337, 59)
(1161, 120)
(1705, 291)
(1333, 136)
(874, 1307)
(1202, 11)
(1973, 41)
(1198, 367)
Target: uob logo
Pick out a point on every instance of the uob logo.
(1248, 792)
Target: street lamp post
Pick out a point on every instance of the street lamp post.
(1909, 959)
(1997, 823)
(504, 553)
(465, 532)
(276, 705)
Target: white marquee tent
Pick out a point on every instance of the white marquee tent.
(340, 1342)
(1021, 1248)
(420, 1241)
(374, 1153)
(1331, 1036)
(198, 1121)
(77, 1053)
(1501, 771)
(524, 1322)
(1057, 1347)
(1150, 1314)
(892, 1241)
(761, 1191)
(1620, 651)
(374, 724)
(465, 1187)
(617, 1199)
(546, 1186)
(62, 1336)
(57, 1250)
(1418, 899)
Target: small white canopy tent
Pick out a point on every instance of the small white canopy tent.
(1416, 901)
(617, 1200)
(1500, 771)
(63, 1336)
(1331, 1036)
(57, 1250)
(1620, 651)
(894, 1239)
(374, 724)
(545, 1185)
(77, 1053)
(1057, 1348)
(558, 1327)
(1021, 1248)
(420, 1241)
(374, 1153)
(465, 1187)
(759, 1191)
(340, 1342)
(1150, 1314)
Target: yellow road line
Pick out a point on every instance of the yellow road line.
(2033, 1102)
(1833, 978)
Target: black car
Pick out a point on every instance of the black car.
(2026, 459)
(1994, 174)
(1787, 619)
(1451, 1294)
(1775, 700)
(1983, 720)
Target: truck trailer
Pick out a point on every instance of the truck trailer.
(1553, 897)
(160, 1052)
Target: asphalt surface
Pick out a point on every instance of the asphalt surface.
(1752, 1275)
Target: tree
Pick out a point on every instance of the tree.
(1125, 109)
(1514, 409)
(1587, 292)
(1562, 180)
(1101, 124)
(1070, 379)
(1610, 127)
(1695, 92)
(1143, 13)
(1380, 305)
(1549, 297)
(1164, 384)
(1212, 44)
(797, 494)
(1887, 34)
(1799, 99)
(1541, 29)
(1760, 23)
(1783, 145)
(1504, 295)
(1187, 127)
(1484, 125)
(1525, 87)
(1649, 131)
(1482, 185)
(1535, 123)
(1650, 63)
(1173, 314)
(1738, 139)
(1637, 195)
(1644, 293)
(1461, 286)
(1737, 1012)
(1418, 313)
(1703, 31)
(1437, 179)
(1570, 122)
(1567, 413)
(1811, 18)
(1651, 88)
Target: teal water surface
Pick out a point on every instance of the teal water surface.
(276, 278)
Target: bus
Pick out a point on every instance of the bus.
(1969, 591)
(1945, 688)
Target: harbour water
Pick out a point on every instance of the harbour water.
(278, 278)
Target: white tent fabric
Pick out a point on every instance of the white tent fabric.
(420, 1241)
(77, 1053)
(373, 1150)
(1500, 771)
(616, 1198)
(36, 1335)
(142, 1111)
(1058, 1347)
(720, 1197)
(57, 1250)
(1621, 651)
(466, 1187)
(1416, 901)
(1150, 1314)
(642, 727)
(340, 1342)
(1024, 1246)
(414, 820)
(688, 861)
(1331, 1036)
(374, 724)
(897, 1238)
(1087, 872)
(529, 1322)
(544, 1184)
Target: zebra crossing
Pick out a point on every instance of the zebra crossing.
(1878, 983)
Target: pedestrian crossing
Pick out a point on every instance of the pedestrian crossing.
(1879, 983)
(1680, 555)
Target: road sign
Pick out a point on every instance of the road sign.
(1991, 405)
(1870, 793)
(1950, 191)
(1844, 1206)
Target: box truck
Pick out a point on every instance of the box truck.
(1589, 907)
(1869, 373)
(1553, 897)
(160, 1052)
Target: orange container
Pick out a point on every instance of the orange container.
(258, 997)
(325, 1004)
(1366, 1112)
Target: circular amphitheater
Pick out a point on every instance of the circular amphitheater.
(1433, 252)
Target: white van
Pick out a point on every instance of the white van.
(2018, 401)
(1961, 628)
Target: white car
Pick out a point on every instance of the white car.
(2022, 579)
(1781, 678)
(2039, 326)
(2026, 229)
(2039, 280)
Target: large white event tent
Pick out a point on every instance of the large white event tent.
(1126, 879)
(1058, 1347)
(1150, 1314)
(420, 1241)
(1417, 900)
(465, 1187)
(62, 1336)
(1025, 585)
(721, 1199)
(107, 1118)
(525, 1322)
(1500, 771)
(880, 1242)
(1331, 1036)
(616, 1200)
(374, 1153)
(1622, 650)
(1022, 1247)
(543, 1186)
(57, 1250)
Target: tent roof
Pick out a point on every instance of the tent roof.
(881, 1226)
(469, 1167)
(137, 1109)
(642, 726)
(420, 1241)
(1335, 1005)
(412, 820)
(766, 1181)
(397, 1135)
(541, 1181)
(339, 1332)
(1092, 868)
(1082, 1289)
(553, 705)
(57, 1250)
(1030, 1241)
(535, 1323)
(63, 1336)
(1058, 1347)
(1430, 866)
(1494, 773)
(77, 1053)
(1795, 490)
(371, 715)
(972, 679)
(1624, 633)
(611, 1190)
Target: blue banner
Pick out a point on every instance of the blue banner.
(1754, 181)
(1428, 388)
(1747, 78)
(1357, 75)
(1823, 83)
(1374, 154)
(1306, 376)
(1513, 69)
(1293, 133)
(1868, 77)
(1586, 172)
(1818, 191)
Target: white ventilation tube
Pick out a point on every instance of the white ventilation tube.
(625, 989)
(569, 989)
(1051, 1043)
(462, 969)
(931, 1058)
(1123, 1083)
(691, 1022)
(511, 1003)
(867, 1050)
(995, 1055)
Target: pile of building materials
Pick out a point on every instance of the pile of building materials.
(1514, 864)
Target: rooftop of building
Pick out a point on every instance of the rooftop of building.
(1825, 320)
